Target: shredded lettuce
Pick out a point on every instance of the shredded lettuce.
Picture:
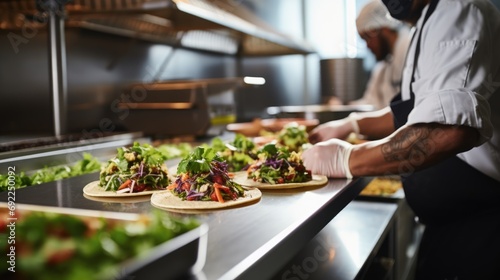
(47, 174)
(241, 154)
(278, 165)
(58, 246)
(198, 161)
(202, 175)
(139, 167)
(179, 150)
(293, 136)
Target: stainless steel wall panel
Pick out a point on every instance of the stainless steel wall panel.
(101, 65)
(25, 99)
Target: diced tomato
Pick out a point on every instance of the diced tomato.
(300, 168)
(139, 188)
(213, 196)
(218, 179)
(3, 225)
(60, 256)
(234, 195)
(281, 180)
(58, 231)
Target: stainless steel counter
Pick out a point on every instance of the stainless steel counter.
(251, 242)
(346, 247)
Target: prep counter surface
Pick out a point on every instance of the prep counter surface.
(345, 247)
(251, 242)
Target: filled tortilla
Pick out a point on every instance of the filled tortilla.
(94, 190)
(242, 179)
(168, 201)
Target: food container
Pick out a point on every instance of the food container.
(275, 125)
(257, 126)
(383, 189)
(323, 113)
(181, 255)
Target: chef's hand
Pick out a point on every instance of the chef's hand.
(334, 129)
(329, 158)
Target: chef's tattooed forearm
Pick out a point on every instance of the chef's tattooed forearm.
(411, 143)
(418, 146)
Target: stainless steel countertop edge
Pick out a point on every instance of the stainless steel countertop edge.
(268, 259)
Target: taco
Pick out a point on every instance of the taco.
(203, 182)
(136, 170)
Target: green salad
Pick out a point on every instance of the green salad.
(59, 246)
(203, 176)
(293, 136)
(86, 165)
(135, 169)
(278, 165)
(238, 153)
(178, 150)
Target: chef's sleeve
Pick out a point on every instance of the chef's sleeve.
(456, 60)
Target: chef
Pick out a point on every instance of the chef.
(442, 134)
(388, 40)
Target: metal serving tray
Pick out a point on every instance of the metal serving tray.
(177, 257)
(13, 149)
(322, 112)
(30, 159)
(385, 197)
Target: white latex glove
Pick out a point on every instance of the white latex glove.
(335, 129)
(329, 158)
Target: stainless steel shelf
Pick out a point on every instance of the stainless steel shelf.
(210, 25)
(34, 157)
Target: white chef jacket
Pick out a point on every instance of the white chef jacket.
(385, 79)
(457, 78)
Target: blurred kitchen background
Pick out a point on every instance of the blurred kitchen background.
(171, 65)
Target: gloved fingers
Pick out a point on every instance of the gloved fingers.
(309, 159)
(314, 137)
(308, 154)
(329, 158)
(318, 159)
(333, 129)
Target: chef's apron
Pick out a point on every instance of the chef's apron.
(460, 207)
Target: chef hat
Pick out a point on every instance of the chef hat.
(374, 15)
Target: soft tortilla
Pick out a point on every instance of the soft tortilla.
(130, 199)
(241, 178)
(169, 201)
(93, 189)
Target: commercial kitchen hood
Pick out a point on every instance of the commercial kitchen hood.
(221, 26)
